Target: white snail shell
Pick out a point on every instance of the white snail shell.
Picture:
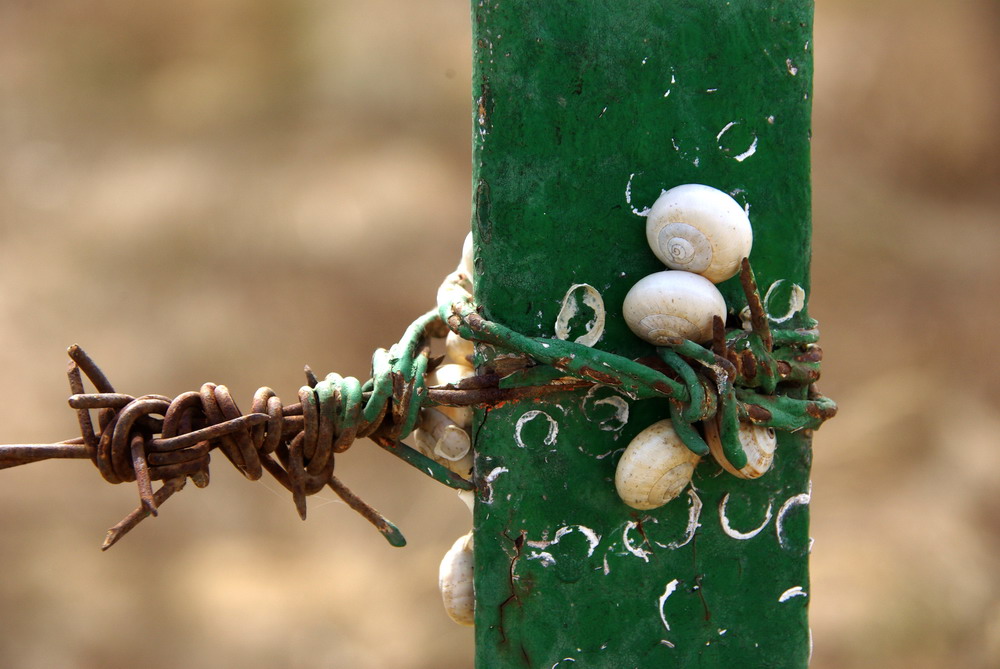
(440, 439)
(759, 444)
(699, 229)
(673, 304)
(452, 374)
(465, 265)
(456, 583)
(655, 468)
(459, 350)
(441, 436)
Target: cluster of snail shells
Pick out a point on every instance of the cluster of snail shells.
(443, 434)
(657, 466)
(701, 234)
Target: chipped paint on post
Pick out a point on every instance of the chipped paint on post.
(584, 113)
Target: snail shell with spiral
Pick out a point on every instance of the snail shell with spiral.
(699, 229)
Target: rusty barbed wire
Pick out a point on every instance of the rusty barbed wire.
(155, 438)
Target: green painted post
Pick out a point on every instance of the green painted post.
(586, 110)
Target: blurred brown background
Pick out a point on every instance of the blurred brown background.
(229, 189)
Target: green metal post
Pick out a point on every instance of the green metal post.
(586, 110)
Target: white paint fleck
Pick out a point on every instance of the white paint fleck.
(637, 551)
(593, 538)
(613, 423)
(796, 301)
(594, 328)
(725, 129)
(565, 659)
(749, 152)
(770, 119)
(645, 59)
(792, 70)
(494, 473)
(801, 499)
(797, 591)
(607, 567)
(490, 478)
(669, 590)
(711, 90)
(696, 161)
(752, 149)
(628, 196)
(673, 80)
(543, 556)
(694, 515)
(664, 642)
(722, 632)
(549, 439)
(621, 413)
(736, 534)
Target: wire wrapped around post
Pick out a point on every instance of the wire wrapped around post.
(154, 438)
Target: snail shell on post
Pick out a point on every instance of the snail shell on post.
(673, 304)
(459, 350)
(445, 441)
(699, 229)
(450, 375)
(759, 444)
(465, 265)
(455, 582)
(655, 468)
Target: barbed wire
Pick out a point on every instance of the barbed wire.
(758, 375)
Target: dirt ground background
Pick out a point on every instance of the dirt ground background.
(229, 189)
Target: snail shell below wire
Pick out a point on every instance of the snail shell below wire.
(655, 468)
(759, 444)
(699, 229)
(455, 580)
(673, 304)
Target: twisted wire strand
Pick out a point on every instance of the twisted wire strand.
(734, 379)
(156, 438)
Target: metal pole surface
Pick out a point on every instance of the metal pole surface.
(585, 111)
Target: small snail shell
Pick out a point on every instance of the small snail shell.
(468, 498)
(452, 374)
(446, 441)
(655, 468)
(673, 304)
(425, 444)
(759, 444)
(456, 287)
(455, 582)
(459, 350)
(699, 229)
(465, 265)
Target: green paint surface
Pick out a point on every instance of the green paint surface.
(585, 111)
